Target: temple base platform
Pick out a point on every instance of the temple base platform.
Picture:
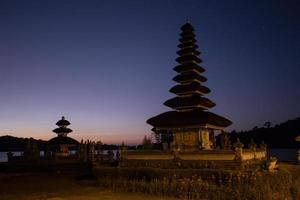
(195, 159)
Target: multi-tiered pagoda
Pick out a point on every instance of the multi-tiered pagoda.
(61, 145)
(190, 126)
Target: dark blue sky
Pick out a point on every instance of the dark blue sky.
(107, 65)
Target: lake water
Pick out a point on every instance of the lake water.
(283, 154)
(280, 154)
(3, 155)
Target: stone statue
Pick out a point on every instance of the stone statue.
(225, 141)
(238, 147)
(272, 164)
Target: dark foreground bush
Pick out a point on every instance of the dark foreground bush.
(197, 184)
(295, 189)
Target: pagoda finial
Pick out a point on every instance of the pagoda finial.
(187, 28)
(63, 117)
(187, 21)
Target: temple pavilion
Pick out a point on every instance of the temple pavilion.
(61, 144)
(189, 126)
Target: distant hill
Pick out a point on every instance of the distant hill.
(10, 143)
(280, 136)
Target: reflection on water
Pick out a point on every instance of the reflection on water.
(3, 155)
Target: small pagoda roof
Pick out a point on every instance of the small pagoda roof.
(62, 130)
(187, 34)
(189, 102)
(188, 67)
(63, 122)
(187, 45)
(64, 140)
(189, 39)
(188, 58)
(187, 27)
(193, 87)
(189, 50)
(190, 119)
(189, 76)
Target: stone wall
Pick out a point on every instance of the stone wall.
(192, 139)
(257, 154)
(195, 155)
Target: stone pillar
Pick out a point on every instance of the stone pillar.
(92, 151)
(205, 139)
(85, 152)
(9, 156)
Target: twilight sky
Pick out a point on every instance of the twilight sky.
(107, 65)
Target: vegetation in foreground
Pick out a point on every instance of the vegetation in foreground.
(58, 186)
(122, 184)
(201, 184)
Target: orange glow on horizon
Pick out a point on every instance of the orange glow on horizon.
(111, 138)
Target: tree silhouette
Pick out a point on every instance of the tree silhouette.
(268, 124)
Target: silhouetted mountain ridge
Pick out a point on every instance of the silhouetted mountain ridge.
(280, 136)
(11, 143)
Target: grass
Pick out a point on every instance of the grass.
(64, 186)
(95, 195)
(295, 172)
(292, 168)
(58, 186)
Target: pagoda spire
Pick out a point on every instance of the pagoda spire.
(190, 107)
(189, 125)
(190, 89)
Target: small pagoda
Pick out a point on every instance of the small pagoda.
(62, 144)
(62, 130)
(189, 126)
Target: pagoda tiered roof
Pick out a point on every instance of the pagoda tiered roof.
(63, 122)
(190, 119)
(188, 58)
(188, 77)
(189, 105)
(189, 102)
(62, 129)
(62, 140)
(188, 67)
(188, 50)
(191, 88)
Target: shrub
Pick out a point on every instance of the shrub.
(197, 184)
(295, 189)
